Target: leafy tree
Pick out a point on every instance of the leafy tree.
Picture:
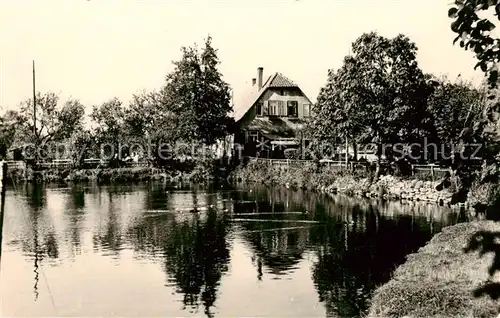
(53, 123)
(8, 124)
(82, 146)
(379, 94)
(109, 117)
(456, 110)
(148, 122)
(197, 94)
(335, 117)
(474, 33)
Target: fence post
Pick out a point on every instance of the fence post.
(432, 172)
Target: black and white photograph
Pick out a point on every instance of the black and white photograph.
(250, 158)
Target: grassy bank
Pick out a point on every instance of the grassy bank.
(440, 279)
(304, 176)
(199, 174)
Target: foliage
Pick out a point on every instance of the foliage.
(8, 125)
(378, 95)
(292, 153)
(475, 33)
(82, 146)
(455, 109)
(109, 117)
(196, 93)
(54, 124)
(148, 122)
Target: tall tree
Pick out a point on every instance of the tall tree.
(474, 32)
(197, 94)
(379, 94)
(335, 118)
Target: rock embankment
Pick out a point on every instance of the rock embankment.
(390, 187)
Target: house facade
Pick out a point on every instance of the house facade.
(270, 117)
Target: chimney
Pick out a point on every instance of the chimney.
(254, 80)
(260, 70)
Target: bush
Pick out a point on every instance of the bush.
(292, 154)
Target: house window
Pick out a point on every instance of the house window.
(281, 108)
(282, 92)
(273, 108)
(259, 110)
(307, 110)
(292, 108)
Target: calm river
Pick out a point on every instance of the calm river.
(138, 251)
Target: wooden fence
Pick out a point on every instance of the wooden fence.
(434, 171)
(68, 163)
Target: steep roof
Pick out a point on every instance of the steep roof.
(251, 95)
(279, 80)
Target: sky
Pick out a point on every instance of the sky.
(94, 50)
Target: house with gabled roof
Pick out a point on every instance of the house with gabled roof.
(270, 116)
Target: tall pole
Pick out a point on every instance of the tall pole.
(34, 101)
(34, 115)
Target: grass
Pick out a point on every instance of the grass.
(439, 280)
(305, 176)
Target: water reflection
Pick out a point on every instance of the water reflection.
(190, 234)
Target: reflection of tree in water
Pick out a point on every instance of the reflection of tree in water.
(358, 247)
(157, 197)
(195, 251)
(196, 257)
(74, 209)
(357, 253)
(111, 240)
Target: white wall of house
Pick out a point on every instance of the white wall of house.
(285, 95)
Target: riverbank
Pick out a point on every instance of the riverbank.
(111, 175)
(440, 279)
(310, 176)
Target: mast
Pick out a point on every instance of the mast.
(34, 115)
